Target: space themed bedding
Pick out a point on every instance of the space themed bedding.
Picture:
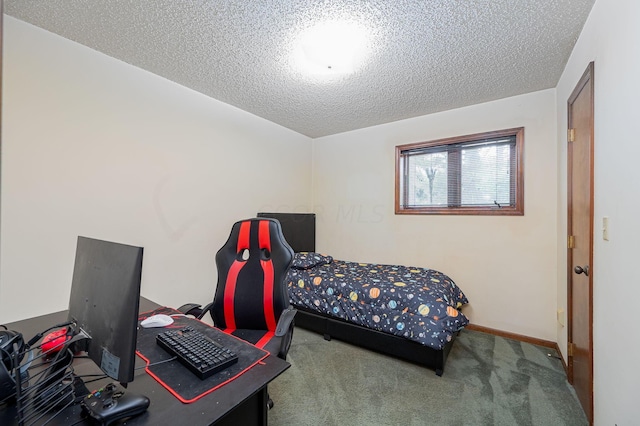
(418, 304)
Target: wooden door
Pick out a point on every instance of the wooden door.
(580, 240)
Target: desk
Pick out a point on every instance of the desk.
(241, 402)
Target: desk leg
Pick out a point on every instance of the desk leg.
(252, 411)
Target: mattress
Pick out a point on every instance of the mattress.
(416, 303)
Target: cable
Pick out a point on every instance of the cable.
(39, 335)
(156, 363)
(96, 377)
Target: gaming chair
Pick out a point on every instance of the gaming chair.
(251, 300)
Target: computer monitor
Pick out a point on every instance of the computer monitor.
(104, 302)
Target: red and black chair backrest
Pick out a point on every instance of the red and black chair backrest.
(251, 292)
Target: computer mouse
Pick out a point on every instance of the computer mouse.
(158, 320)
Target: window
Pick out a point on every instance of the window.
(478, 174)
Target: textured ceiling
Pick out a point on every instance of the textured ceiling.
(423, 56)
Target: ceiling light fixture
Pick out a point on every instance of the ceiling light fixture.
(334, 47)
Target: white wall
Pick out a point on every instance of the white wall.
(610, 38)
(93, 146)
(505, 265)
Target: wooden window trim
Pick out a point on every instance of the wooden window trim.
(518, 161)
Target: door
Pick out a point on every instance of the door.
(580, 241)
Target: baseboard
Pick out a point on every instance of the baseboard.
(564, 364)
(514, 336)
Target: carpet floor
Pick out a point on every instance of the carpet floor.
(487, 380)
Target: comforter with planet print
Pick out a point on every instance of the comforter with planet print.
(416, 303)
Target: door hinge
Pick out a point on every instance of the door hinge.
(571, 242)
(571, 348)
(571, 135)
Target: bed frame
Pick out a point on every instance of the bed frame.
(299, 230)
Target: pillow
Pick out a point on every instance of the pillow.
(308, 260)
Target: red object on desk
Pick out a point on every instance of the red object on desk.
(54, 341)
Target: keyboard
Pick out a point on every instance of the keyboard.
(199, 353)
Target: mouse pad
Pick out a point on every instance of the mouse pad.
(174, 376)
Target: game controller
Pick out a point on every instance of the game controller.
(111, 403)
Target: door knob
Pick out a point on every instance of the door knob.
(581, 270)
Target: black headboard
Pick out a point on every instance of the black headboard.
(299, 229)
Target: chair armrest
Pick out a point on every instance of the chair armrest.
(194, 309)
(285, 321)
(190, 309)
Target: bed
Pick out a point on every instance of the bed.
(408, 312)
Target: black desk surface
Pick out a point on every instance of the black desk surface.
(165, 409)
